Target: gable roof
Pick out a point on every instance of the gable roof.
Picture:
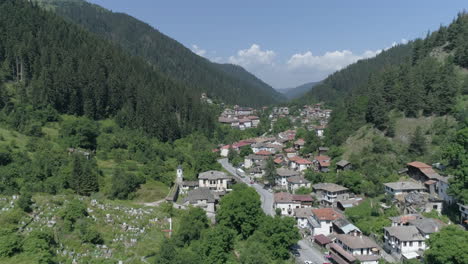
(326, 214)
(213, 175)
(302, 161)
(199, 194)
(405, 233)
(264, 153)
(403, 219)
(418, 164)
(302, 212)
(427, 225)
(283, 197)
(298, 180)
(357, 242)
(284, 172)
(343, 163)
(302, 197)
(329, 187)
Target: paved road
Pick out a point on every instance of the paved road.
(306, 250)
(265, 196)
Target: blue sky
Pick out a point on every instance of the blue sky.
(287, 43)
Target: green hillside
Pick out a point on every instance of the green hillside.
(229, 83)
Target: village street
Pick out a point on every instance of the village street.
(306, 250)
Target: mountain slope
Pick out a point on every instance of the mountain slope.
(51, 62)
(166, 54)
(296, 92)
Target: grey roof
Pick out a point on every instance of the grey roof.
(283, 172)
(302, 212)
(330, 187)
(298, 180)
(190, 183)
(323, 148)
(405, 233)
(200, 194)
(405, 185)
(356, 242)
(427, 225)
(256, 157)
(213, 175)
(343, 163)
(345, 225)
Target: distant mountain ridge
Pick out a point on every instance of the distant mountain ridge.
(296, 92)
(232, 85)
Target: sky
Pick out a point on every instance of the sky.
(288, 43)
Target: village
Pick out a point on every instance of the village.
(320, 208)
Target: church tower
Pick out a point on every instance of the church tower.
(180, 174)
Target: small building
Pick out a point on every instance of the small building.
(252, 159)
(296, 182)
(299, 144)
(301, 215)
(427, 226)
(343, 226)
(422, 172)
(329, 194)
(442, 190)
(201, 197)
(395, 188)
(283, 176)
(400, 240)
(354, 249)
(287, 202)
(290, 152)
(320, 222)
(300, 164)
(322, 163)
(187, 186)
(350, 203)
(418, 202)
(214, 180)
(343, 165)
(322, 151)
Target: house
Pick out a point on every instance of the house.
(319, 130)
(343, 226)
(201, 197)
(322, 163)
(187, 186)
(243, 111)
(403, 220)
(403, 241)
(330, 193)
(258, 170)
(225, 150)
(427, 226)
(263, 146)
(463, 214)
(343, 165)
(442, 190)
(300, 164)
(214, 180)
(287, 202)
(290, 152)
(301, 215)
(299, 144)
(421, 171)
(320, 222)
(255, 120)
(264, 153)
(252, 159)
(296, 182)
(395, 188)
(283, 175)
(322, 151)
(351, 202)
(354, 248)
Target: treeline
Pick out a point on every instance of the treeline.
(55, 63)
(229, 83)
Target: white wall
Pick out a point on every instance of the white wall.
(324, 228)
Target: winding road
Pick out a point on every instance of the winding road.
(306, 251)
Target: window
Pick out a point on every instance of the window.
(404, 244)
(420, 243)
(434, 206)
(411, 243)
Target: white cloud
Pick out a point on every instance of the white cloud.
(330, 61)
(253, 56)
(199, 51)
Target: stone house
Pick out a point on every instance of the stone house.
(328, 194)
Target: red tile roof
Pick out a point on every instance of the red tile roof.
(264, 153)
(278, 160)
(302, 161)
(240, 144)
(283, 197)
(302, 197)
(289, 150)
(327, 214)
(418, 164)
(322, 158)
(322, 239)
(226, 147)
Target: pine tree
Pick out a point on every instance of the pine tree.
(418, 143)
(83, 179)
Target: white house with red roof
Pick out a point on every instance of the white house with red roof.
(322, 163)
(321, 221)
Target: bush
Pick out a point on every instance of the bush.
(24, 202)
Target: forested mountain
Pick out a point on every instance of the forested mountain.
(296, 92)
(52, 62)
(232, 85)
(378, 98)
